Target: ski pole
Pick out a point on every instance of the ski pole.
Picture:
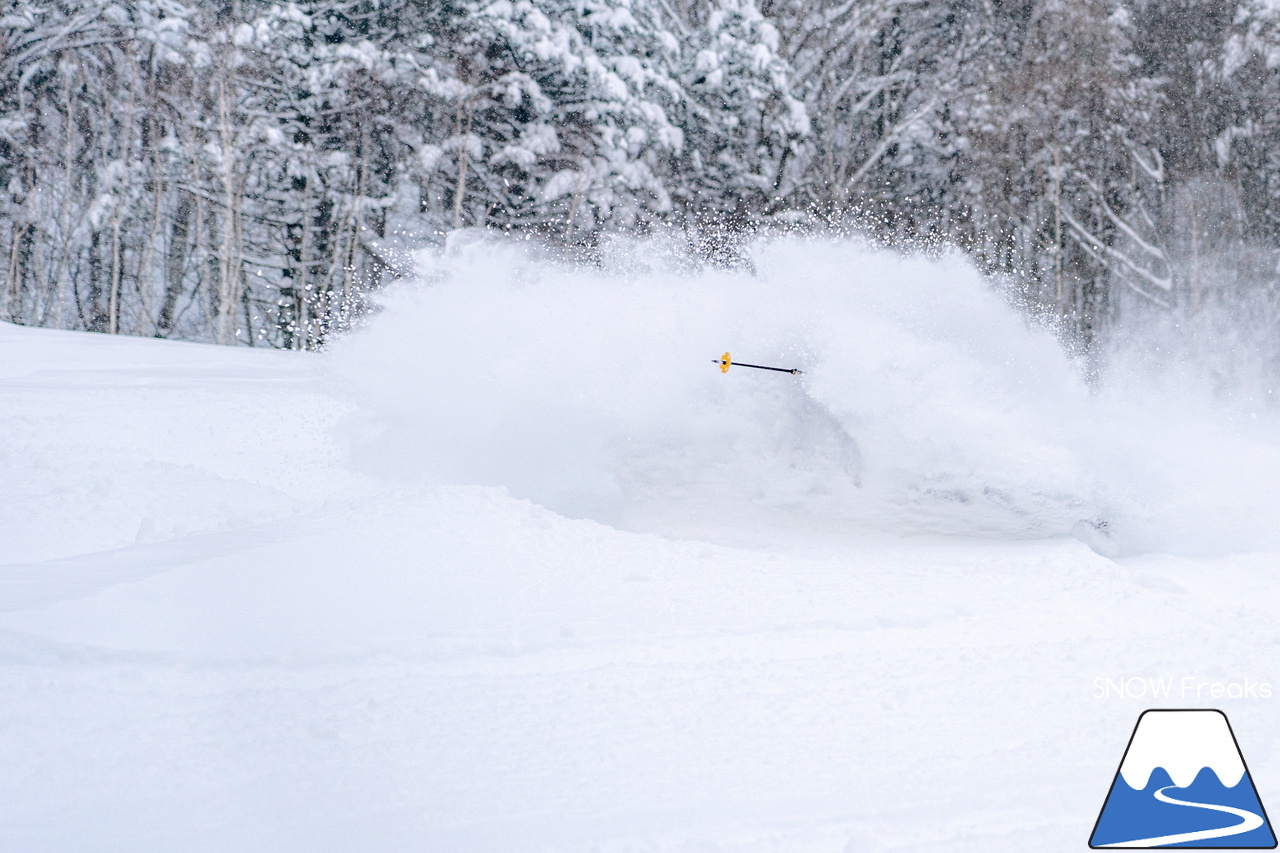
(725, 364)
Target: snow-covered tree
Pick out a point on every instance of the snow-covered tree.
(743, 126)
(246, 172)
(1064, 157)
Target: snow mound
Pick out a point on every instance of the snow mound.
(111, 441)
(927, 404)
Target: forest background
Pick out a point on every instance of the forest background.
(248, 172)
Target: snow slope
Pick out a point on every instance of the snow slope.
(516, 568)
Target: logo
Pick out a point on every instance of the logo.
(1183, 783)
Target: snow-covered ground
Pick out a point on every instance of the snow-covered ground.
(517, 568)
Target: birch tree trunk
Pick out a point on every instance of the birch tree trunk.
(226, 268)
(464, 152)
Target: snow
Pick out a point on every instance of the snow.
(517, 568)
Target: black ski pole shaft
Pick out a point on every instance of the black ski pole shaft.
(792, 370)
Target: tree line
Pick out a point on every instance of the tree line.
(243, 171)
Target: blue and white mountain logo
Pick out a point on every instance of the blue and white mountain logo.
(1183, 783)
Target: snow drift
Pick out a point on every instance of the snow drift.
(927, 405)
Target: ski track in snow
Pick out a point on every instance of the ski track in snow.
(286, 602)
